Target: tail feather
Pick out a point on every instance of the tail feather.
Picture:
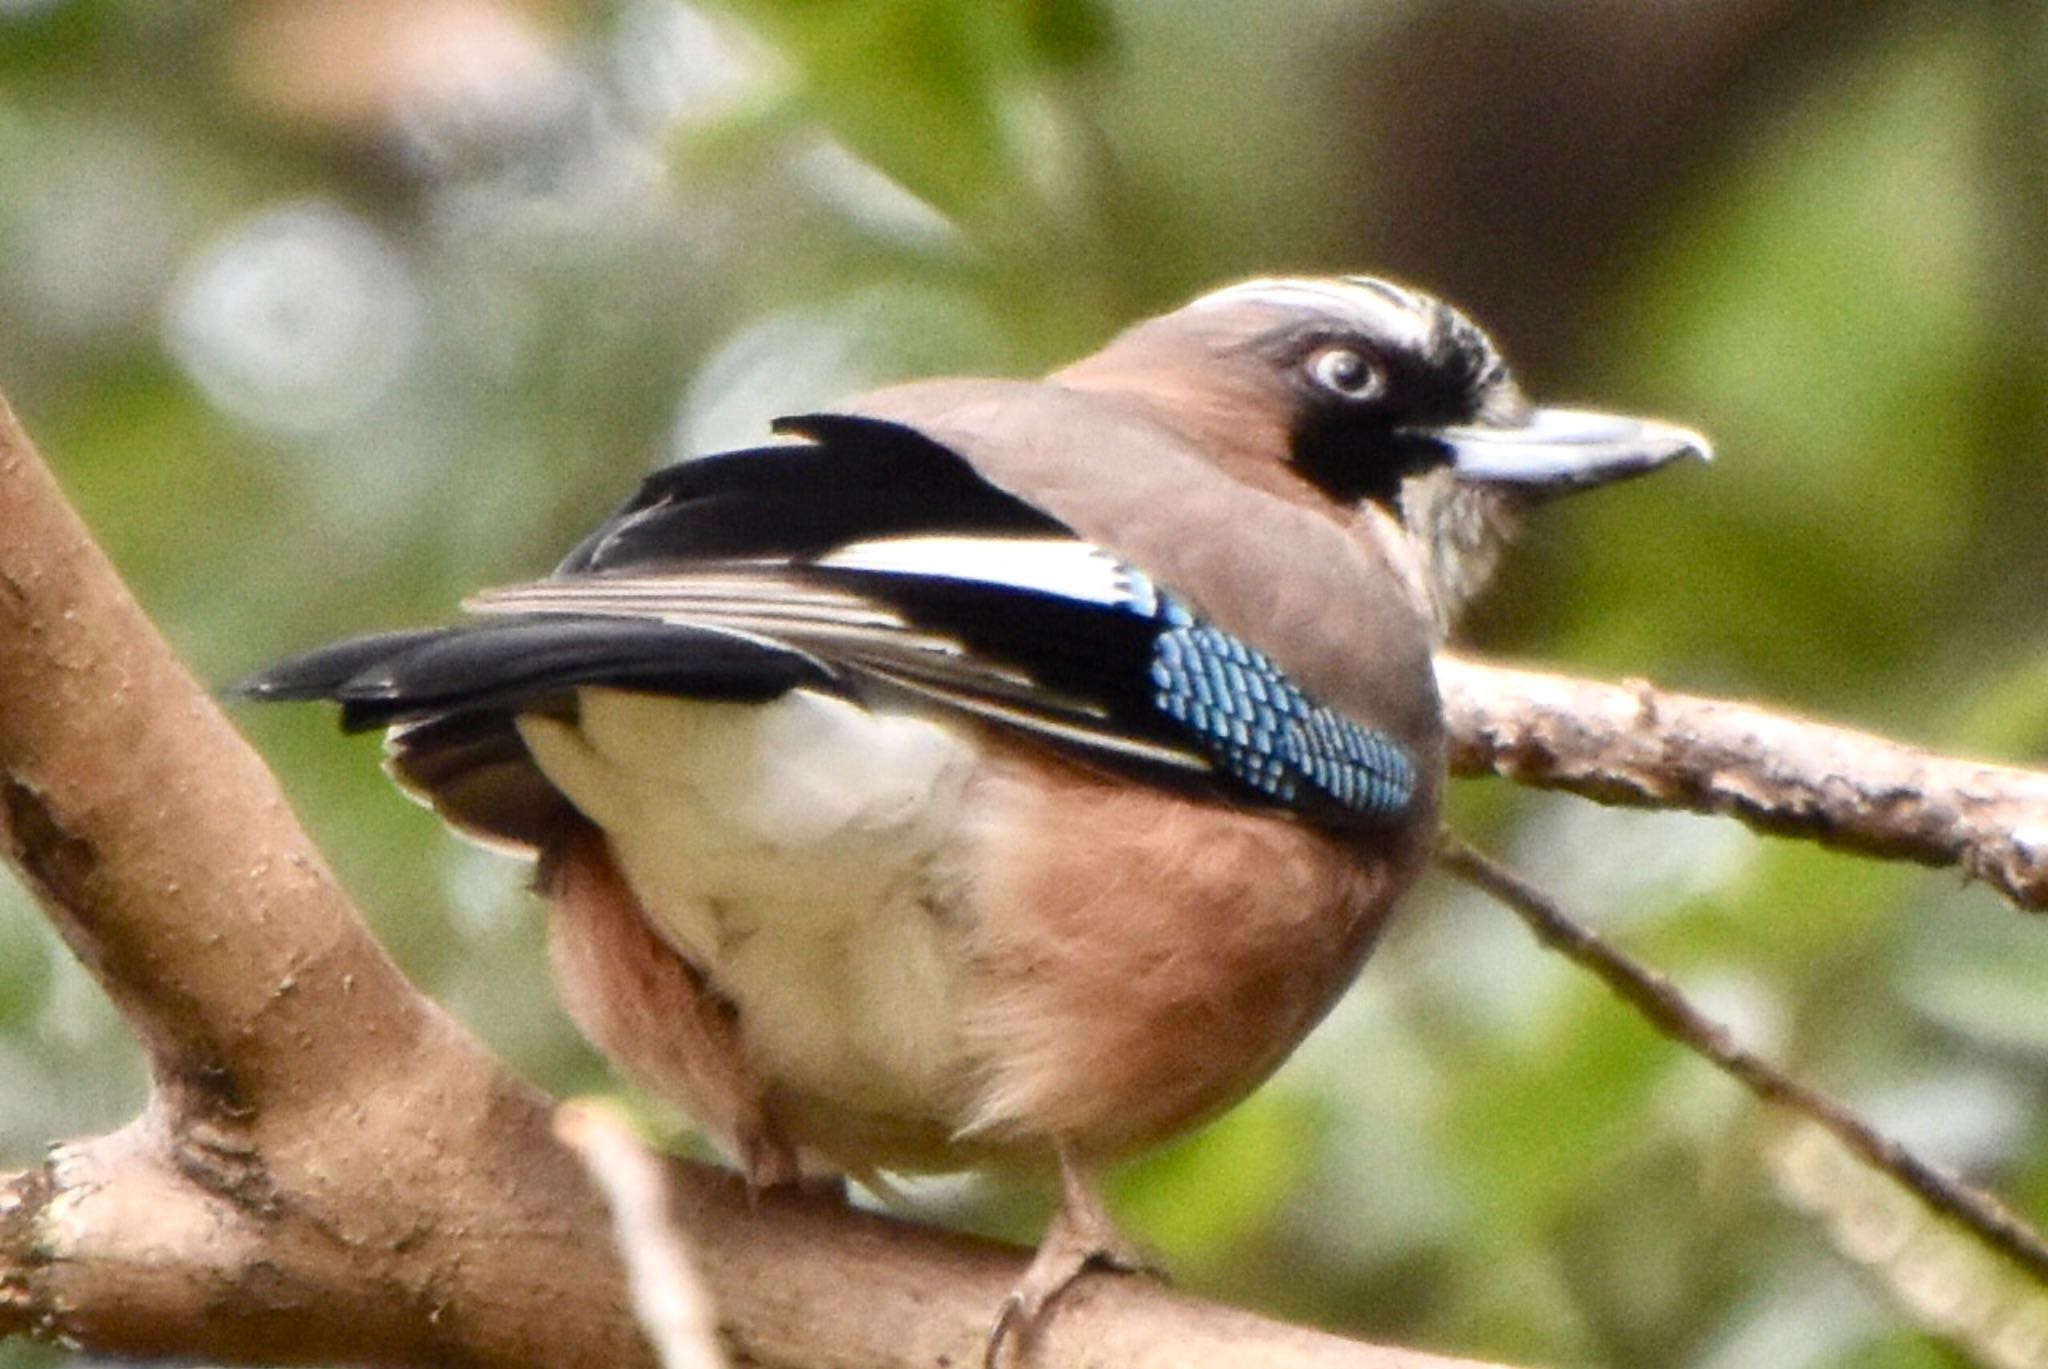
(451, 696)
(395, 676)
(322, 672)
(473, 769)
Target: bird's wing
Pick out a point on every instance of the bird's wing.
(1045, 636)
(846, 478)
(870, 558)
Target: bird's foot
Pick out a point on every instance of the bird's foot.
(1057, 1264)
(1082, 1237)
(769, 1162)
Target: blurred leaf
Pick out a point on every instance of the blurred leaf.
(1549, 1117)
(41, 39)
(24, 958)
(1067, 32)
(1901, 1352)
(19, 1354)
(2004, 713)
(1794, 904)
(1985, 981)
(1209, 1191)
(914, 86)
(1827, 349)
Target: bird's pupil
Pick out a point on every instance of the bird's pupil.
(1343, 370)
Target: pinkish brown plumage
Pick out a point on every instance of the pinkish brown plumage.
(1144, 959)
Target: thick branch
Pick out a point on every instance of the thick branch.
(1635, 745)
(330, 1168)
(164, 1268)
(124, 795)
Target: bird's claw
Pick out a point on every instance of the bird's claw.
(1056, 1266)
(1011, 1317)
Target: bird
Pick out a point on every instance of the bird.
(988, 772)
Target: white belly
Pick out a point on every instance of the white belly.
(803, 855)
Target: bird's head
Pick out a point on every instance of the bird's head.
(1391, 408)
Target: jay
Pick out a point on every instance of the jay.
(996, 772)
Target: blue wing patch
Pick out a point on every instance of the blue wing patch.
(1259, 727)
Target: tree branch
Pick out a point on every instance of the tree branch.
(330, 1168)
(1635, 745)
(1661, 1004)
(328, 1164)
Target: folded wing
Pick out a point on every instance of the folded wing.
(866, 560)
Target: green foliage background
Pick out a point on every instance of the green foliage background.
(313, 363)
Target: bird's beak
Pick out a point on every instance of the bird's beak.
(1556, 450)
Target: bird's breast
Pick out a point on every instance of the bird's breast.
(1143, 959)
(942, 945)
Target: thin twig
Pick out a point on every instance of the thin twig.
(661, 1269)
(1659, 1001)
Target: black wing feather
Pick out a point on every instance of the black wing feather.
(450, 695)
(472, 767)
(1097, 656)
(856, 479)
(380, 680)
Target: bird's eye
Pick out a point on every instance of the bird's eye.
(1346, 371)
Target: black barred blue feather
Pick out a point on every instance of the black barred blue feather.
(1266, 733)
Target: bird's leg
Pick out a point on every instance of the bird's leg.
(650, 1010)
(1082, 1234)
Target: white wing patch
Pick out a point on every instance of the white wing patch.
(1060, 566)
(772, 602)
